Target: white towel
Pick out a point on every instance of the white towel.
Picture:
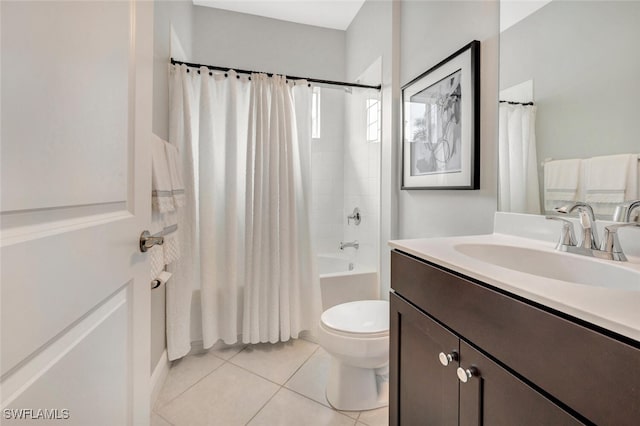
(611, 180)
(156, 256)
(171, 246)
(175, 174)
(561, 182)
(161, 194)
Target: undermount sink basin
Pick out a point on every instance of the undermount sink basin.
(558, 266)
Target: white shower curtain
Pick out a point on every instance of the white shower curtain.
(249, 168)
(517, 160)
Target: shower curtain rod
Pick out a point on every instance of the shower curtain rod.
(517, 103)
(312, 80)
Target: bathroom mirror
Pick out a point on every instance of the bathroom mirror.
(579, 63)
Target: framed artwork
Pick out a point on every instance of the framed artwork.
(441, 124)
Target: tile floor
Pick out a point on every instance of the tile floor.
(273, 385)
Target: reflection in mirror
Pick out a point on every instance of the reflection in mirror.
(570, 126)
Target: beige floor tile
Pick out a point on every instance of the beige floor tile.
(157, 420)
(276, 362)
(229, 396)
(377, 417)
(311, 379)
(185, 372)
(226, 351)
(288, 408)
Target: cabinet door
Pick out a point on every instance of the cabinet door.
(422, 390)
(495, 397)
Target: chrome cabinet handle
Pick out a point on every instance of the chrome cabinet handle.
(446, 359)
(465, 374)
(147, 241)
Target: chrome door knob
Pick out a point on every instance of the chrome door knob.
(465, 374)
(446, 359)
(147, 241)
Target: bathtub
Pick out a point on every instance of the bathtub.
(342, 280)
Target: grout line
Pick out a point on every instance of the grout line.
(266, 378)
(325, 406)
(192, 385)
(246, 345)
(301, 365)
(162, 417)
(264, 405)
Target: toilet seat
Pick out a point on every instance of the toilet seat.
(363, 318)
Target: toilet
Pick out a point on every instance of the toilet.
(356, 335)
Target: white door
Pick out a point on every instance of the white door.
(75, 170)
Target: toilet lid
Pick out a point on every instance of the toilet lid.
(363, 316)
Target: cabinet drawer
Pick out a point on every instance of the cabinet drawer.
(593, 374)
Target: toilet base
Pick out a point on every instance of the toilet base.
(352, 388)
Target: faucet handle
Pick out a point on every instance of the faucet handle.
(610, 242)
(567, 235)
(623, 211)
(355, 216)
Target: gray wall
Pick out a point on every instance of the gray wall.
(431, 31)
(179, 15)
(251, 42)
(584, 62)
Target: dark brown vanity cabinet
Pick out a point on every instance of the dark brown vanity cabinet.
(522, 365)
(426, 392)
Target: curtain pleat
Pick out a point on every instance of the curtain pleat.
(246, 157)
(517, 162)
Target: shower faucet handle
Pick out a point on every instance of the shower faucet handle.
(355, 216)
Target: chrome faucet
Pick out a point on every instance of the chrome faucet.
(623, 211)
(587, 221)
(355, 216)
(610, 248)
(353, 244)
(611, 244)
(567, 236)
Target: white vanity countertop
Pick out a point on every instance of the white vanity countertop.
(617, 310)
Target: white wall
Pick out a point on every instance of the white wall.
(251, 42)
(430, 32)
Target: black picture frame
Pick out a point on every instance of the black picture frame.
(441, 124)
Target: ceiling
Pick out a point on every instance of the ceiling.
(513, 11)
(336, 14)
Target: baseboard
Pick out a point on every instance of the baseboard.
(158, 377)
